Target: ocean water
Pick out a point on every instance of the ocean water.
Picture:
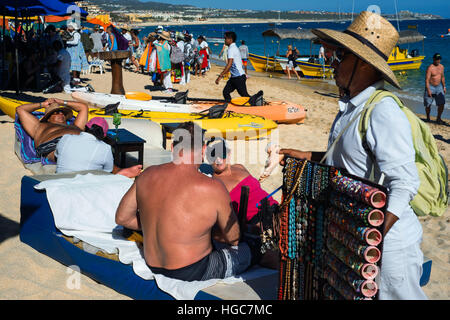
(412, 81)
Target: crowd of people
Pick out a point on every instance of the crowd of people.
(51, 60)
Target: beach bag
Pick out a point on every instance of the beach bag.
(432, 196)
(176, 55)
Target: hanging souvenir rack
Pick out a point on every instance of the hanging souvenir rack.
(329, 234)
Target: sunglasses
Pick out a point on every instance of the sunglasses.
(339, 54)
(58, 112)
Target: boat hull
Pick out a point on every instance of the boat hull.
(232, 126)
(279, 111)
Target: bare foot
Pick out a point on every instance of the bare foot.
(131, 172)
(272, 161)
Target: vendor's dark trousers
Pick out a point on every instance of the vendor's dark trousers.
(236, 83)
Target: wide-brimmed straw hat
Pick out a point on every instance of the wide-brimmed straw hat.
(165, 35)
(55, 107)
(370, 37)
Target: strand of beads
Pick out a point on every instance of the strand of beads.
(370, 254)
(366, 270)
(329, 293)
(341, 286)
(292, 248)
(368, 235)
(359, 191)
(366, 214)
(367, 288)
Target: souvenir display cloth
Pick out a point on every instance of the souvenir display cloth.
(329, 234)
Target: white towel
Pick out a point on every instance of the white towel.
(84, 207)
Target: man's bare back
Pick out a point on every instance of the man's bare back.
(178, 214)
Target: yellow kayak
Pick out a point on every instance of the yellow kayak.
(232, 125)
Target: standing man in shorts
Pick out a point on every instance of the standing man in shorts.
(435, 88)
(244, 54)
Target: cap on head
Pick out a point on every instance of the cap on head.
(99, 121)
(437, 56)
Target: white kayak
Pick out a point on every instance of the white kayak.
(100, 100)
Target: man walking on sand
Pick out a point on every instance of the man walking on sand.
(238, 78)
(435, 88)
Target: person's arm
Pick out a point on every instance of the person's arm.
(308, 155)
(28, 121)
(226, 70)
(81, 108)
(427, 81)
(226, 229)
(127, 214)
(443, 80)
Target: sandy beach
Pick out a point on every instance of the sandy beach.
(27, 274)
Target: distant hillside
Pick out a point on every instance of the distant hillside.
(134, 5)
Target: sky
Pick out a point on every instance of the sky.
(440, 7)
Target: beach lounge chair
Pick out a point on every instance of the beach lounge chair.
(37, 229)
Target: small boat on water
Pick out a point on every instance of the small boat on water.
(309, 66)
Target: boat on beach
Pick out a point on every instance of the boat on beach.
(230, 125)
(280, 111)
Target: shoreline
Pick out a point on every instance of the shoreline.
(247, 21)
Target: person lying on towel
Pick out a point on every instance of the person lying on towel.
(47, 131)
(234, 178)
(180, 210)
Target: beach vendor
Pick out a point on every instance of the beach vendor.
(435, 88)
(47, 131)
(179, 220)
(77, 54)
(86, 150)
(238, 78)
(360, 68)
(203, 52)
(163, 63)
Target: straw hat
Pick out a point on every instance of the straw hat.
(370, 37)
(165, 35)
(55, 107)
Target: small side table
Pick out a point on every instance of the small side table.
(126, 141)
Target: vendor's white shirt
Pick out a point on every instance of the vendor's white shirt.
(83, 152)
(390, 139)
(236, 68)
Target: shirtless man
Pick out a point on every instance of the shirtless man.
(179, 211)
(435, 88)
(47, 131)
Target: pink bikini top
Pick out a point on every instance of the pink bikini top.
(256, 194)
